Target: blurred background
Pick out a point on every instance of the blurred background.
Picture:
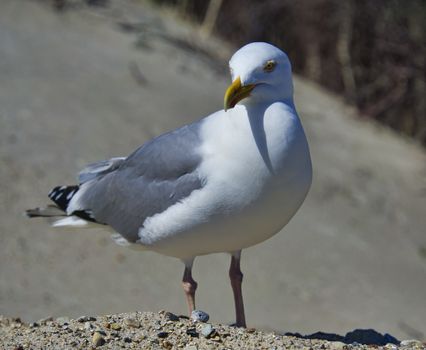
(371, 52)
(85, 80)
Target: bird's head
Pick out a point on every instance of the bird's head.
(260, 73)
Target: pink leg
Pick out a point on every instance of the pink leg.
(189, 287)
(236, 277)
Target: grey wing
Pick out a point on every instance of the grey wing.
(154, 177)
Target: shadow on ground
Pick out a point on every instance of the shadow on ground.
(360, 336)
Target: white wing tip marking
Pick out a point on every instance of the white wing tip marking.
(69, 196)
(72, 221)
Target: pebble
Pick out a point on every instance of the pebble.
(127, 339)
(131, 322)
(207, 330)
(87, 326)
(115, 326)
(98, 339)
(171, 317)
(199, 316)
(337, 345)
(192, 332)
(216, 337)
(63, 321)
(162, 334)
(167, 345)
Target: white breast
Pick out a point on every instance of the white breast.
(257, 172)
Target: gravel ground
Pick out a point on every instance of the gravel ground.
(163, 330)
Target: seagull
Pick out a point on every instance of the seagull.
(221, 184)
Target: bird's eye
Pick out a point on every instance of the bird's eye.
(269, 66)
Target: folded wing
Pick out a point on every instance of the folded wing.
(123, 193)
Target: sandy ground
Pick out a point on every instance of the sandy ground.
(353, 257)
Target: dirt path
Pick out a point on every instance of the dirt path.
(75, 88)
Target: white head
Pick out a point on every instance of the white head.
(260, 73)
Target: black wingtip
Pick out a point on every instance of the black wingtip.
(61, 195)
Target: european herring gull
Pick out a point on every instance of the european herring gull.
(224, 183)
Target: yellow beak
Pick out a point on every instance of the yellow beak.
(236, 93)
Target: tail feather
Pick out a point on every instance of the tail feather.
(61, 196)
(49, 211)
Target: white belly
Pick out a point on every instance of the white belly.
(255, 183)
